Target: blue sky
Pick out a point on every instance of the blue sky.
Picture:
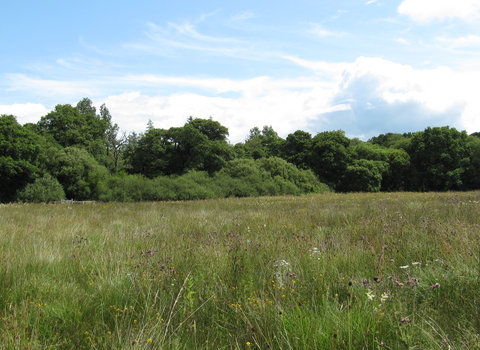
(366, 67)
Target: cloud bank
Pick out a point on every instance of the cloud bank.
(365, 98)
(427, 10)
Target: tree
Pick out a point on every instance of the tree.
(78, 172)
(113, 144)
(213, 130)
(178, 150)
(86, 107)
(74, 126)
(363, 176)
(297, 147)
(263, 143)
(21, 152)
(329, 156)
(440, 156)
(471, 175)
(397, 163)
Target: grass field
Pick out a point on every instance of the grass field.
(330, 271)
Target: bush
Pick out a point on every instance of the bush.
(43, 190)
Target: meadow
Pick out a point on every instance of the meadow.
(324, 271)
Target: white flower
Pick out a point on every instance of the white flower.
(370, 295)
(314, 251)
(404, 267)
(282, 263)
(384, 297)
(416, 263)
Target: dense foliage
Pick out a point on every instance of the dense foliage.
(83, 151)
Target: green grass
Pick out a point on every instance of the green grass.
(310, 272)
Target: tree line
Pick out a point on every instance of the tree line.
(77, 152)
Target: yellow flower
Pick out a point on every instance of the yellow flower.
(149, 340)
(248, 343)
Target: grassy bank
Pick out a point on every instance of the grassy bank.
(330, 271)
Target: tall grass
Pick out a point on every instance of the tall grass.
(330, 271)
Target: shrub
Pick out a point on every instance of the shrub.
(43, 190)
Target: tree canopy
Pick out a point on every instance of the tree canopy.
(78, 152)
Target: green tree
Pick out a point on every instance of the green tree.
(178, 150)
(471, 175)
(74, 126)
(329, 156)
(113, 144)
(263, 143)
(363, 176)
(21, 151)
(78, 172)
(297, 147)
(213, 130)
(440, 156)
(397, 163)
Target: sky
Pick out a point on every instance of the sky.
(367, 67)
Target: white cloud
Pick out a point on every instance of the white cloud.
(463, 41)
(403, 41)
(333, 68)
(426, 10)
(284, 109)
(382, 96)
(244, 15)
(25, 113)
(60, 89)
(319, 31)
(168, 41)
(366, 97)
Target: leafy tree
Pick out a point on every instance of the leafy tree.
(44, 190)
(178, 150)
(21, 151)
(329, 156)
(471, 175)
(85, 107)
(113, 143)
(397, 163)
(213, 130)
(363, 176)
(440, 156)
(296, 148)
(78, 172)
(390, 140)
(74, 126)
(475, 134)
(263, 143)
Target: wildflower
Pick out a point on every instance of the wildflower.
(282, 263)
(370, 295)
(436, 285)
(404, 320)
(248, 343)
(149, 340)
(416, 263)
(404, 267)
(384, 297)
